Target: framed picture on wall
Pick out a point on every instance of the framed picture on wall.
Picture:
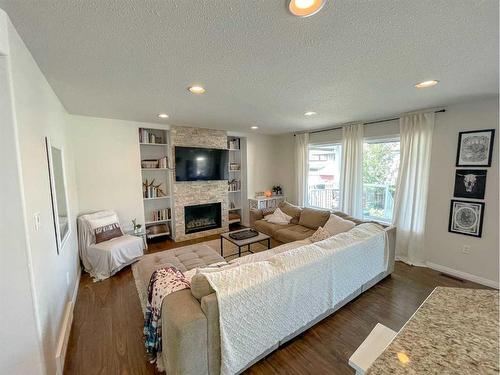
(470, 183)
(466, 218)
(475, 148)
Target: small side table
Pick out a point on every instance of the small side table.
(141, 233)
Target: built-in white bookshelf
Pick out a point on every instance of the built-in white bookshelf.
(156, 181)
(237, 178)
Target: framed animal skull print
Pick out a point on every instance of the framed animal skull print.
(466, 218)
(470, 183)
(475, 148)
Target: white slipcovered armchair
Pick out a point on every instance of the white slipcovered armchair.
(104, 259)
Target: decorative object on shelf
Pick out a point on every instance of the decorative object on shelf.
(234, 185)
(147, 136)
(234, 217)
(136, 227)
(466, 218)
(233, 144)
(149, 164)
(259, 194)
(277, 190)
(158, 230)
(475, 148)
(470, 183)
(231, 205)
(268, 193)
(150, 190)
(234, 167)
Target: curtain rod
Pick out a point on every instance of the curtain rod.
(364, 123)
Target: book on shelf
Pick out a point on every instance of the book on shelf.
(160, 215)
(233, 144)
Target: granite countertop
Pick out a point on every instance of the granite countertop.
(455, 331)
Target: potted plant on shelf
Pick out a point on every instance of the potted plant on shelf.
(137, 227)
(277, 190)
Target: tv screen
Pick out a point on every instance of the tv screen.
(201, 164)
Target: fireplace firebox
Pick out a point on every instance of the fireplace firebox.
(202, 217)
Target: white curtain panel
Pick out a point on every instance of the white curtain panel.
(351, 178)
(301, 167)
(412, 186)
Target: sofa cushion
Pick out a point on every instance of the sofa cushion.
(348, 217)
(293, 233)
(336, 225)
(313, 218)
(268, 228)
(291, 210)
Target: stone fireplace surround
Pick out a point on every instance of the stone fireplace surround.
(187, 193)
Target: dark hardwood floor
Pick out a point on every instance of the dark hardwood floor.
(106, 336)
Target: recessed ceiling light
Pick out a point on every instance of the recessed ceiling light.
(254, 127)
(162, 115)
(310, 113)
(305, 8)
(425, 84)
(196, 89)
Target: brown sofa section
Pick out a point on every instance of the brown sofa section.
(304, 222)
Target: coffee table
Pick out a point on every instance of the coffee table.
(242, 243)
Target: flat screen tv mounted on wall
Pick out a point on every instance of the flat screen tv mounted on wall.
(201, 164)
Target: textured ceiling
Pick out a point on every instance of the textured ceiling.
(355, 60)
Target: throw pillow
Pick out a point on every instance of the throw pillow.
(107, 232)
(336, 225)
(291, 210)
(320, 235)
(278, 217)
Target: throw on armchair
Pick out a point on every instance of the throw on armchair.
(103, 248)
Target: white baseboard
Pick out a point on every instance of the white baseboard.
(62, 345)
(463, 275)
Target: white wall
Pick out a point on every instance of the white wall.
(444, 248)
(108, 166)
(20, 352)
(38, 113)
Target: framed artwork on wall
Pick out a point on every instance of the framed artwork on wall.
(470, 183)
(466, 218)
(475, 148)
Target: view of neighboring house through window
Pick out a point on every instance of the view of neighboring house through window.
(380, 172)
(323, 179)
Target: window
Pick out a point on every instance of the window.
(380, 172)
(323, 181)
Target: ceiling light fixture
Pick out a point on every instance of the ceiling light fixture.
(254, 127)
(310, 113)
(196, 89)
(305, 8)
(425, 84)
(162, 115)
